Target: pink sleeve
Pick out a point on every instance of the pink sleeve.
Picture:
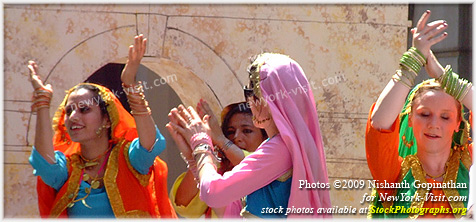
(271, 160)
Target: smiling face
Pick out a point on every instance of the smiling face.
(434, 119)
(83, 116)
(243, 133)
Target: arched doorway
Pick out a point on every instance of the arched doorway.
(166, 85)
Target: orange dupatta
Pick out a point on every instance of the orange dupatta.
(125, 183)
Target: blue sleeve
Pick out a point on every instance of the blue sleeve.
(141, 158)
(54, 175)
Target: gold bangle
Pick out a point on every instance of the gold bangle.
(141, 113)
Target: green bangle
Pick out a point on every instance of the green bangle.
(461, 88)
(418, 54)
(412, 60)
(453, 85)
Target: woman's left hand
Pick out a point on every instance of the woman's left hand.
(189, 122)
(426, 34)
(136, 52)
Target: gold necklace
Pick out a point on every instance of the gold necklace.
(437, 176)
(95, 161)
(95, 183)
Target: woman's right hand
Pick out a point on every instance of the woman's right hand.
(215, 130)
(35, 78)
(182, 144)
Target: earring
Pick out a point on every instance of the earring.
(98, 132)
(260, 121)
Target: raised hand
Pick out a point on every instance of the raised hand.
(136, 52)
(214, 131)
(35, 78)
(43, 132)
(182, 145)
(425, 35)
(187, 122)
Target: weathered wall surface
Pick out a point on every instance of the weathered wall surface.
(347, 51)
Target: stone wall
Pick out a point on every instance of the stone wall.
(348, 52)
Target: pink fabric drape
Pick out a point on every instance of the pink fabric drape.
(298, 146)
(290, 98)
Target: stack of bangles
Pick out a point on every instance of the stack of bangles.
(135, 97)
(453, 85)
(41, 99)
(200, 143)
(410, 65)
(192, 166)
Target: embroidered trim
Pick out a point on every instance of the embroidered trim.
(418, 174)
(372, 204)
(412, 162)
(466, 159)
(112, 190)
(73, 187)
(143, 179)
(451, 174)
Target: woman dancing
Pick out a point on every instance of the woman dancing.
(426, 144)
(271, 179)
(99, 161)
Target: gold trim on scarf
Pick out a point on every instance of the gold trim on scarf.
(73, 187)
(111, 108)
(154, 196)
(112, 190)
(255, 76)
(418, 174)
(412, 162)
(466, 159)
(450, 177)
(372, 204)
(405, 167)
(143, 178)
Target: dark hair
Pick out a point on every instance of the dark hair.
(102, 104)
(237, 108)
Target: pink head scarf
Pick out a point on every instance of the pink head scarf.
(285, 88)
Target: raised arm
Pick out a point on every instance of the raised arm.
(392, 98)
(139, 106)
(41, 105)
(232, 152)
(187, 189)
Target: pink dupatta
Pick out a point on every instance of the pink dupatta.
(291, 101)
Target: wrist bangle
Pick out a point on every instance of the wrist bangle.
(412, 60)
(453, 85)
(227, 145)
(200, 138)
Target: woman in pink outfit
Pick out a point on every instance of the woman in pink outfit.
(271, 181)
